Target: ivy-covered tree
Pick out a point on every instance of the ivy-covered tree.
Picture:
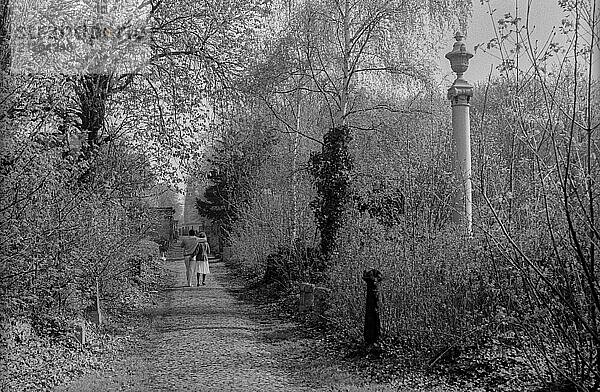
(332, 169)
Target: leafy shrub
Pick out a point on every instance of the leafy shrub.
(435, 291)
(290, 265)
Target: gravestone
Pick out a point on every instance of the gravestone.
(307, 297)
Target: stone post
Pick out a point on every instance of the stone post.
(321, 303)
(460, 94)
(372, 329)
(80, 334)
(226, 254)
(301, 306)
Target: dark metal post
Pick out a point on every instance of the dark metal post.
(372, 328)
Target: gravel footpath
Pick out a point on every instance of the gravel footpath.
(204, 339)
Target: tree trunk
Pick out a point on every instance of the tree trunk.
(344, 90)
(596, 41)
(294, 176)
(5, 53)
(92, 91)
(98, 302)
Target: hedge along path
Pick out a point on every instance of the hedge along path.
(204, 339)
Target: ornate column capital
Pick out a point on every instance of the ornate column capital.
(460, 92)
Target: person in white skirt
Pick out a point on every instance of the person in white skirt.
(202, 252)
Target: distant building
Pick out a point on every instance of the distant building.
(165, 203)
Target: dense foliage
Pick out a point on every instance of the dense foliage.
(234, 163)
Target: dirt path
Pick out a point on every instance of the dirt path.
(204, 339)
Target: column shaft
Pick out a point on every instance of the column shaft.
(461, 129)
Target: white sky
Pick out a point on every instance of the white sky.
(543, 17)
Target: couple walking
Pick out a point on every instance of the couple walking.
(195, 255)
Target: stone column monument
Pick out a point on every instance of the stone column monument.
(459, 95)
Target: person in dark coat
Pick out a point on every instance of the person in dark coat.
(189, 245)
